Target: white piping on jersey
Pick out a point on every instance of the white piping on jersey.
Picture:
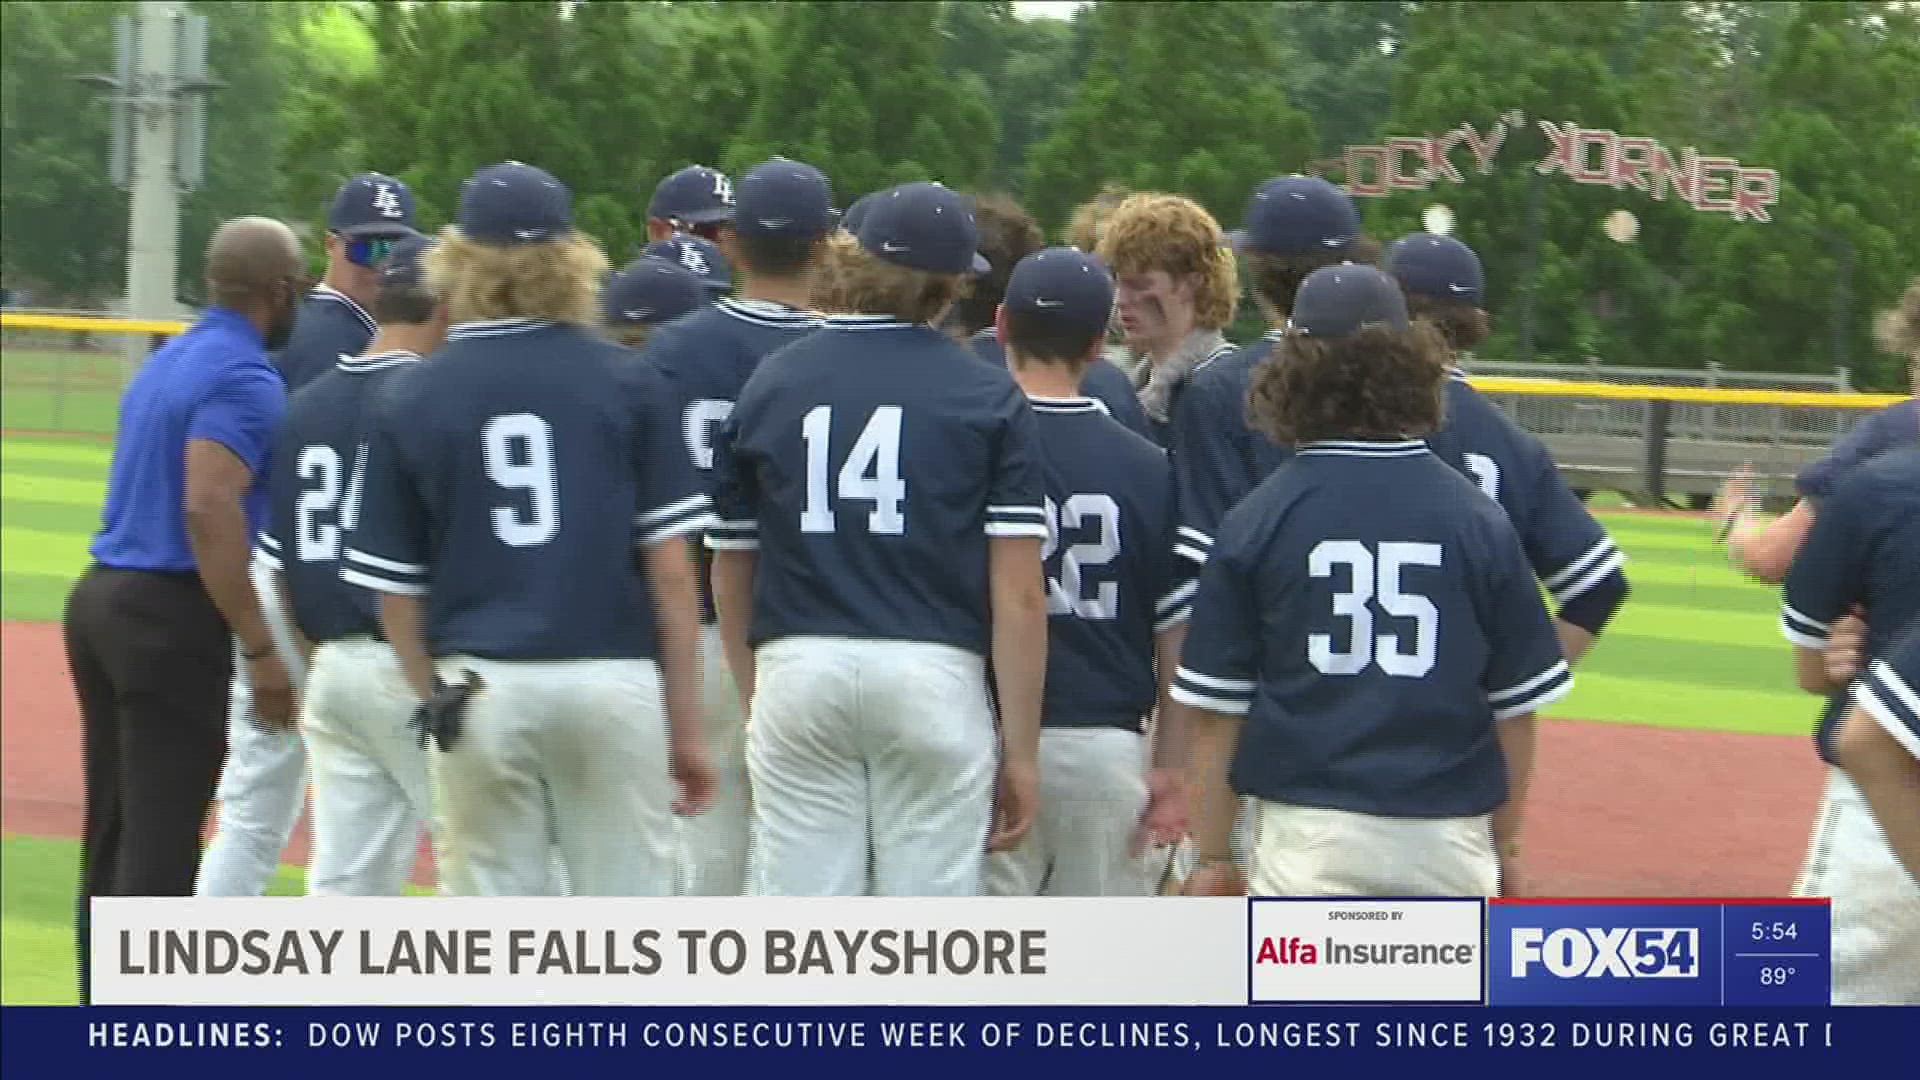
(1578, 566)
(323, 291)
(1066, 405)
(360, 365)
(378, 563)
(1363, 448)
(1867, 694)
(1209, 682)
(1219, 351)
(486, 328)
(1802, 631)
(768, 313)
(1276, 334)
(1558, 669)
(867, 322)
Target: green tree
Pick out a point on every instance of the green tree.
(1181, 97)
(1338, 63)
(859, 90)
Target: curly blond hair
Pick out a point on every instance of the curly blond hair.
(869, 285)
(1898, 330)
(1089, 220)
(554, 279)
(1155, 231)
(828, 295)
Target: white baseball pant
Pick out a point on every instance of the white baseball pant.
(1093, 789)
(713, 844)
(263, 784)
(371, 796)
(1876, 904)
(1313, 851)
(570, 753)
(873, 765)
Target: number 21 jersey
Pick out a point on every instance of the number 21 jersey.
(869, 464)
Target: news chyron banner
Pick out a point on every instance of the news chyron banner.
(974, 951)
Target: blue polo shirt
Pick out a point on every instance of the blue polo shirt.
(213, 382)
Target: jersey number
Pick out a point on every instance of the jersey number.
(703, 418)
(1486, 473)
(870, 473)
(1064, 593)
(1375, 582)
(518, 449)
(319, 514)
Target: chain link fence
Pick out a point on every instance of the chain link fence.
(67, 381)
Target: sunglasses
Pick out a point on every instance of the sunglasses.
(709, 230)
(368, 251)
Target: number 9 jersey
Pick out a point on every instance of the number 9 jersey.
(1371, 616)
(509, 480)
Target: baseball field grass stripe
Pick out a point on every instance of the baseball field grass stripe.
(33, 597)
(36, 551)
(57, 469)
(20, 451)
(18, 485)
(72, 519)
(1677, 703)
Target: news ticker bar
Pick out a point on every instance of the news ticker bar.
(959, 951)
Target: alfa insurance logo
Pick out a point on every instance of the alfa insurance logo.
(1374, 951)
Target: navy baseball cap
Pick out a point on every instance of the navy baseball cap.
(1436, 266)
(856, 214)
(371, 204)
(1068, 287)
(650, 290)
(402, 267)
(924, 226)
(514, 203)
(696, 195)
(1294, 215)
(1335, 301)
(698, 256)
(784, 196)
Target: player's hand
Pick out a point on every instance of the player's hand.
(1164, 821)
(1218, 877)
(1846, 641)
(272, 692)
(1733, 504)
(1016, 799)
(693, 780)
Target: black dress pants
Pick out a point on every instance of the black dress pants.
(152, 661)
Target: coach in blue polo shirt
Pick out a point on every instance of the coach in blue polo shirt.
(148, 625)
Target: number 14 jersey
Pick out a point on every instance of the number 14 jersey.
(1371, 615)
(869, 464)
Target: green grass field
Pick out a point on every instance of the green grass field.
(1695, 647)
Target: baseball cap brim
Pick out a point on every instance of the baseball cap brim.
(980, 264)
(378, 230)
(710, 216)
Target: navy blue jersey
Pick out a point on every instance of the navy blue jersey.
(1102, 381)
(1864, 549)
(1218, 458)
(1894, 426)
(315, 490)
(708, 355)
(331, 325)
(869, 463)
(508, 479)
(1889, 690)
(1113, 580)
(1372, 617)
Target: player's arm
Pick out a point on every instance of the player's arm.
(302, 647)
(734, 540)
(267, 552)
(1878, 744)
(1209, 471)
(1824, 582)
(403, 621)
(1765, 549)
(228, 443)
(1165, 819)
(1570, 551)
(674, 584)
(1213, 687)
(1017, 584)
(386, 551)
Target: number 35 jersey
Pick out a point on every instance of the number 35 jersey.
(1371, 616)
(1113, 579)
(508, 479)
(869, 464)
(314, 493)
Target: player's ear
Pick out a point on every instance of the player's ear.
(1000, 324)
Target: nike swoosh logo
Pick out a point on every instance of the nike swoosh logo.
(775, 223)
(892, 248)
(1334, 241)
(1043, 302)
(638, 314)
(529, 234)
(1459, 288)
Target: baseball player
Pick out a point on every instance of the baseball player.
(1878, 743)
(508, 481)
(263, 783)
(696, 200)
(370, 792)
(1007, 235)
(1864, 549)
(1175, 289)
(648, 292)
(1366, 646)
(1569, 550)
(1117, 599)
(882, 514)
(700, 257)
(782, 217)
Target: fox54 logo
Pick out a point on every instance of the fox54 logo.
(1603, 954)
